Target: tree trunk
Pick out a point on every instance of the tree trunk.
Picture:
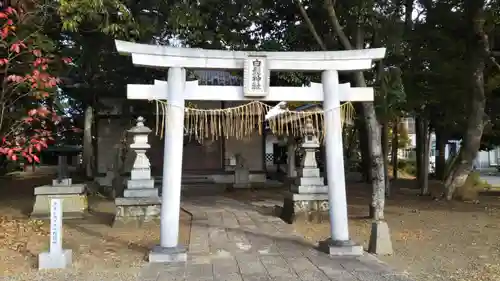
(372, 128)
(395, 147)
(477, 51)
(424, 175)
(88, 151)
(385, 153)
(366, 170)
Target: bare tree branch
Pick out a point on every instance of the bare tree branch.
(310, 25)
(329, 5)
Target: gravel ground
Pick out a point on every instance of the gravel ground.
(99, 251)
(66, 275)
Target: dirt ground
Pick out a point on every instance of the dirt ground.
(431, 240)
(95, 245)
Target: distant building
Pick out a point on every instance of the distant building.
(484, 159)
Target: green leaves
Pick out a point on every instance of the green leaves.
(390, 94)
(111, 17)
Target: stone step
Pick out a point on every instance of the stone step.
(141, 192)
(189, 180)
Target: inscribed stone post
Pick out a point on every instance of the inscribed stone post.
(241, 173)
(56, 257)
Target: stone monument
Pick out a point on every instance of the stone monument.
(56, 257)
(74, 195)
(140, 202)
(241, 173)
(308, 198)
(292, 170)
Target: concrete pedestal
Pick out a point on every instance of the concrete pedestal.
(75, 201)
(241, 178)
(380, 239)
(341, 248)
(162, 254)
(55, 260)
(308, 207)
(137, 211)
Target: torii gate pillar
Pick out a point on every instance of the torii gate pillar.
(169, 250)
(339, 243)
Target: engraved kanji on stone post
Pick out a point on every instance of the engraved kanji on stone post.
(56, 257)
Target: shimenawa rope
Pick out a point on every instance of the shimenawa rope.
(242, 121)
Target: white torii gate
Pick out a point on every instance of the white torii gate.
(256, 66)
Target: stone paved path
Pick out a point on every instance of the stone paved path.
(231, 240)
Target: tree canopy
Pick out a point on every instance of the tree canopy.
(434, 49)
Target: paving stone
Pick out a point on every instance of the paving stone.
(199, 258)
(323, 261)
(200, 272)
(215, 219)
(172, 276)
(343, 275)
(239, 239)
(377, 276)
(249, 264)
(301, 264)
(244, 219)
(256, 278)
(225, 266)
(199, 242)
(149, 274)
(229, 277)
(246, 245)
(276, 266)
(354, 264)
(262, 243)
(312, 275)
(229, 220)
(290, 248)
(286, 278)
(370, 262)
(217, 236)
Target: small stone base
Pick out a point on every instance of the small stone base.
(242, 185)
(308, 207)
(48, 260)
(341, 248)
(380, 239)
(137, 211)
(308, 189)
(160, 254)
(140, 192)
(75, 202)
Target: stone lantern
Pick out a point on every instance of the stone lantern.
(308, 199)
(140, 184)
(140, 202)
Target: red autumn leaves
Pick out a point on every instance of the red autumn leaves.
(29, 135)
(9, 23)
